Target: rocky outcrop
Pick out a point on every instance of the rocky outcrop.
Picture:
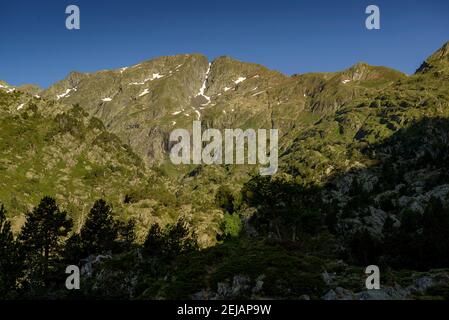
(240, 287)
(396, 292)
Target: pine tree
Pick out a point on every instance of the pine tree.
(10, 262)
(436, 235)
(224, 199)
(41, 238)
(73, 251)
(365, 247)
(100, 231)
(154, 242)
(126, 234)
(174, 239)
(179, 238)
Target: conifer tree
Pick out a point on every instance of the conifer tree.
(435, 234)
(154, 242)
(179, 238)
(100, 231)
(41, 238)
(10, 262)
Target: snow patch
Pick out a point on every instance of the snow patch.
(240, 79)
(257, 93)
(176, 112)
(226, 89)
(106, 99)
(123, 69)
(157, 76)
(345, 81)
(203, 87)
(21, 106)
(153, 77)
(65, 94)
(173, 123)
(146, 91)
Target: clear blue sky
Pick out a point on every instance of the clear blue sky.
(292, 36)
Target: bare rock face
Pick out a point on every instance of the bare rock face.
(396, 292)
(437, 62)
(170, 92)
(240, 286)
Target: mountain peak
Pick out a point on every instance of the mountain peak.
(437, 61)
(364, 71)
(441, 54)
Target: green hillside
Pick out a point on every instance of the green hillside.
(363, 178)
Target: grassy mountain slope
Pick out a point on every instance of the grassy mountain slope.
(362, 153)
(66, 155)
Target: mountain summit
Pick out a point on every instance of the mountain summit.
(363, 177)
(144, 102)
(439, 61)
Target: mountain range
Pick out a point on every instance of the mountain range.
(362, 148)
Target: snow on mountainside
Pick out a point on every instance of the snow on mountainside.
(142, 103)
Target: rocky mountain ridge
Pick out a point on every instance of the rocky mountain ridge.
(143, 103)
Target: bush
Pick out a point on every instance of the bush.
(224, 199)
(230, 227)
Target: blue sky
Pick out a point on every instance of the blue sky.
(292, 36)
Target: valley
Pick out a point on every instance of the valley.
(361, 174)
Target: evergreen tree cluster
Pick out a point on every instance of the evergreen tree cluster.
(420, 241)
(286, 211)
(33, 263)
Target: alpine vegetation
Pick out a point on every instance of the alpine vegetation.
(110, 187)
(207, 147)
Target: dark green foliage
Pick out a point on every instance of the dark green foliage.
(230, 227)
(126, 234)
(106, 140)
(154, 242)
(128, 199)
(95, 123)
(373, 148)
(180, 238)
(171, 241)
(365, 248)
(73, 250)
(435, 231)
(41, 239)
(440, 291)
(285, 208)
(224, 199)
(286, 270)
(11, 264)
(66, 123)
(421, 240)
(99, 232)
